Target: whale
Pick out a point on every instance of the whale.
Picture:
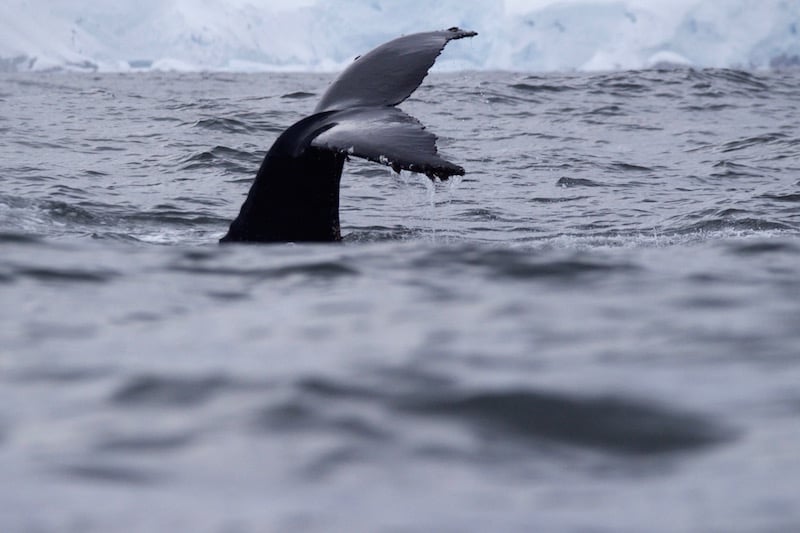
(295, 194)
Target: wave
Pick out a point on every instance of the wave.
(518, 264)
(163, 391)
(613, 424)
(741, 225)
(230, 160)
(66, 275)
(306, 270)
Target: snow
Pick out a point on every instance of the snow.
(325, 35)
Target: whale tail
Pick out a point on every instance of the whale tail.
(295, 195)
(390, 73)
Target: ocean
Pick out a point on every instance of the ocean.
(596, 329)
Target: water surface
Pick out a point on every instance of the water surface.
(596, 329)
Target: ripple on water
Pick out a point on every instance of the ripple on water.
(567, 183)
(613, 424)
(322, 270)
(11, 237)
(764, 247)
(112, 473)
(540, 87)
(65, 275)
(162, 391)
(790, 197)
(222, 157)
(298, 95)
(727, 224)
(224, 125)
(144, 442)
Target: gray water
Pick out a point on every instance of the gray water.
(597, 329)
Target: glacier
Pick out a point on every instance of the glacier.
(325, 35)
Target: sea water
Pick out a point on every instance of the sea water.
(596, 329)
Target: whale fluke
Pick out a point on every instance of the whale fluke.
(388, 136)
(390, 73)
(295, 195)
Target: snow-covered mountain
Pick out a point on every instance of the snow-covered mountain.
(326, 34)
